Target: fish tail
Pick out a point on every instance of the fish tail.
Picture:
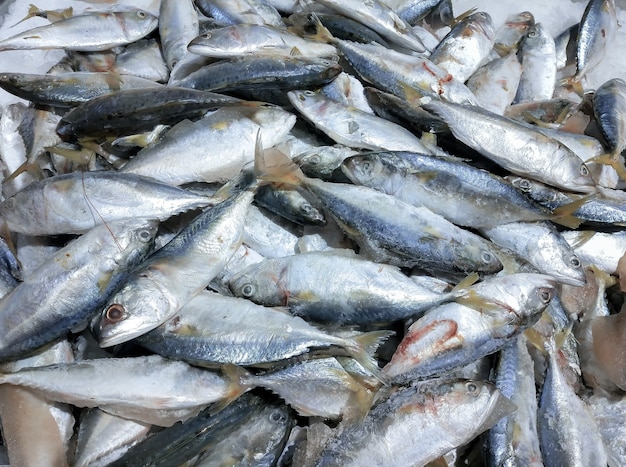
(28, 167)
(360, 400)
(311, 27)
(240, 381)
(32, 12)
(272, 165)
(564, 215)
(614, 160)
(574, 83)
(358, 349)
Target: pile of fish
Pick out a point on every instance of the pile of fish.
(313, 233)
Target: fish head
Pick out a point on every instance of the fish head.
(363, 168)
(138, 21)
(481, 23)
(538, 40)
(139, 307)
(481, 258)
(571, 173)
(260, 283)
(222, 42)
(135, 235)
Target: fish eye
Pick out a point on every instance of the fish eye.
(486, 257)
(524, 185)
(574, 261)
(545, 295)
(584, 171)
(309, 93)
(115, 313)
(307, 208)
(247, 290)
(141, 14)
(471, 387)
(276, 416)
(206, 35)
(532, 33)
(144, 235)
(315, 159)
(366, 166)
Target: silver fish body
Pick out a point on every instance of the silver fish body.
(168, 279)
(597, 29)
(178, 25)
(32, 316)
(538, 56)
(89, 32)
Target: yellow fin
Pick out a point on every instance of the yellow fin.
(563, 215)
(240, 381)
(29, 167)
(358, 347)
(614, 161)
(471, 279)
(462, 16)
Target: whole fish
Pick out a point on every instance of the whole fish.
(514, 440)
(88, 32)
(214, 148)
(262, 72)
(68, 89)
(567, 431)
(423, 408)
(386, 228)
(257, 39)
(134, 110)
(461, 193)
(33, 317)
(609, 107)
(148, 389)
(452, 334)
(204, 332)
(229, 12)
(169, 278)
(358, 291)
(517, 148)
(76, 202)
(352, 127)
(390, 71)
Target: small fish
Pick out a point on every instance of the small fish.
(178, 25)
(88, 32)
(538, 57)
(597, 29)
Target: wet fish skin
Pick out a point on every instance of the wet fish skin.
(178, 25)
(538, 57)
(600, 249)
(258, 440)
(229, 12)
(202, 335)
(89, 32)
(509, 35)
(609, 107)
(138, 387)
(135, 110)
(289, 204)
(352, 127)
(357, 292)
(76, 202)
(183, 441)
(597, 29)
(453, 334)
(68, 89)
(339, 26)
(103, 438)
(462, 50)
(168, 279)
(530, 241)
(568, 433)
(495, 84)
(425, 407)
(194, 151)
(144, 59)
(459, 192)
(379, 17)
(256, 39)
(514, 440)
(517, 148)
(38, 311)
(258, 73)
(389, 70)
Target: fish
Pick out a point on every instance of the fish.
(178, 26)
(169, 278)
(358, 292)
(423, 407)
(88, 32)
(597, 29)
(537, 54)
(32, 317)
